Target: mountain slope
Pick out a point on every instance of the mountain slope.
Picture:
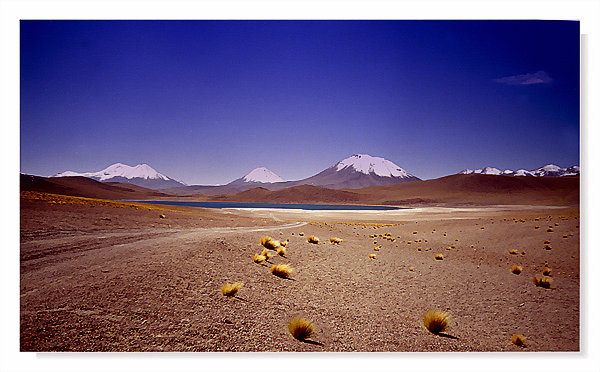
(86, 187)
(142, 175)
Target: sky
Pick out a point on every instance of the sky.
(205, 102)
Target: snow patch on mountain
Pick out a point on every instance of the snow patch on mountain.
(262, 175)
(372, 165)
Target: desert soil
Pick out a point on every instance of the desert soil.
(106, 276)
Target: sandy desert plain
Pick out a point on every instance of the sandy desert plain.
(105, 275)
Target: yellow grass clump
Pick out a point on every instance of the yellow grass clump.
(376, 249)
(516, 269)
(544, 282)
(536, 227)
(282, 270)
(547, 271)
(231, 290)
(266, 254)
(283, 243)
(411, 269)
(301, 234)
(549, 229)
(546, 241)
(372, 256)
(281, 251)
(518, 340)
(513, 251)
(547, 247)
(259, 258)
(162, 216)
(335, 240)
(436, 321)
(300, 328)
(565, 236)
(269, 242)
(312, 239)
(439, 256)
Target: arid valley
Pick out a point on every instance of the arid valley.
(105, 275)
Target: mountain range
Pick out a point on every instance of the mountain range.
(549, 170)
(354, 172)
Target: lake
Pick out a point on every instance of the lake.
(310, 207)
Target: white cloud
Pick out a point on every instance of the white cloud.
(540, 77)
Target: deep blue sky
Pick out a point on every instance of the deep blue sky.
(206, 102)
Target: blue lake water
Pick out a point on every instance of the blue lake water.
(311, 207)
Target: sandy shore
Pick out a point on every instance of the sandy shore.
(108, 277)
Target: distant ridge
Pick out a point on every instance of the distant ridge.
(549, 170)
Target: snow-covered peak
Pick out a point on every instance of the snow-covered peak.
(486, 170)
(262, 175)
(523, 172)
(119, 170)
(372, 165)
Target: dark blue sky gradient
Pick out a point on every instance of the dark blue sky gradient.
(206, 102)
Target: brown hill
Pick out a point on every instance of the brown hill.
(86, 187)
(478, 189)
(296, 194)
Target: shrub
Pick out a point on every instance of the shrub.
(231, 290)
(516, 269)
(544, 282)
(439, 256)
(436, 321)
(518, 340)
(281, 251)
(300, 328)
(282, 270)
(259, 258)
(312, 239)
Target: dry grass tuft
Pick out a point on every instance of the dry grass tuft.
(518, 340)
(269, 242)
(547, 271)
(300, 328)
(516, 269)
(282, 270)
(513, 251)
(301, 234)
(547, 247)
(231, 290)
(376, 249)
(281, 251)
(439, 256)
(543, 282)
(436, 321)
(549, 230)
(266, 254)
(372, 256)
(546, 241)
(162, 216)
(411, 269)
(312, 239)
(335, 240)
(259, 258)
(283, 243)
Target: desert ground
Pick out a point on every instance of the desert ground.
(100, 275)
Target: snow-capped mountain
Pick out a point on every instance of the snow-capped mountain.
(549, 170)
(141, 175)
(258, 175)
(359, 170)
